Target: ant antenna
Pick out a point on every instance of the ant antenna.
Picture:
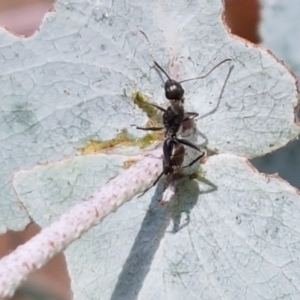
(159, 67)
(145, 35)
(174, 89)
(168, 76)
(149, 43)
(221, 94)
(201, 77)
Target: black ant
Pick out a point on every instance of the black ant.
(173, 117)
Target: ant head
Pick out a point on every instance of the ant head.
(174, 90)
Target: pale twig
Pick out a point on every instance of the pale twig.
(27, 258)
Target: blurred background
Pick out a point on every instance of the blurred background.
(23, 18)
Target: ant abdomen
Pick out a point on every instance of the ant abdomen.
(174, 159)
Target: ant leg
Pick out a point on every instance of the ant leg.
(187, 143)
(189, 115)
(149, 128)
(152, 128)
(158, 107)
(195, 160)
(154, 183)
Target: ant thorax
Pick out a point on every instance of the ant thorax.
(173, 117)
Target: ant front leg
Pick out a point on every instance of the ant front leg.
(152, 128)
(158, 107)
(151, 186)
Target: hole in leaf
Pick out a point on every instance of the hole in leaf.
(24, 17)
(243, 17)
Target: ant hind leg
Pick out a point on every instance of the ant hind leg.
(153, 184)
(195, 160)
